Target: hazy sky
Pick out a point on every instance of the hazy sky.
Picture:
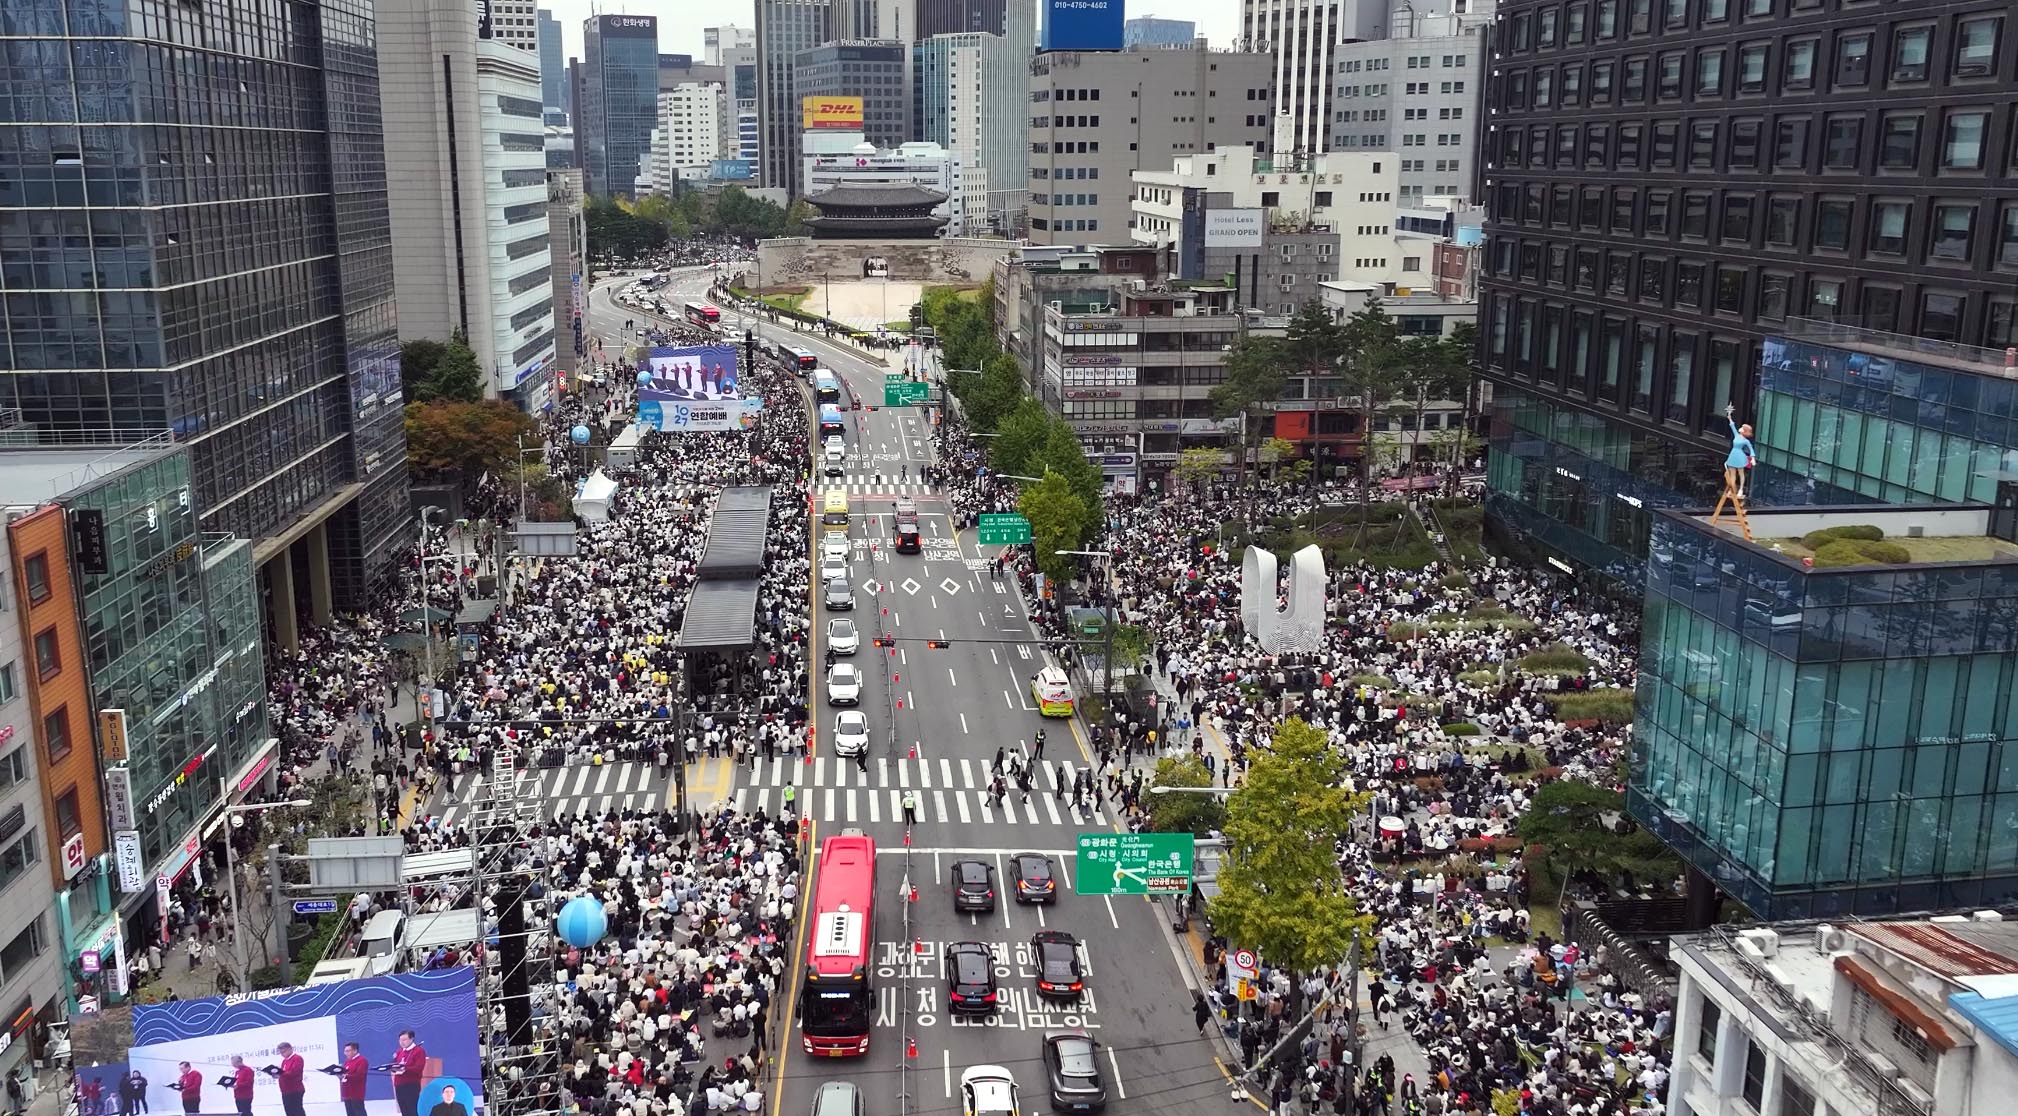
(680, 21)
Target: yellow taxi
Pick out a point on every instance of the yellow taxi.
(1052, 692)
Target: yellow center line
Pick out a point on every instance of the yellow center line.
(796, 974)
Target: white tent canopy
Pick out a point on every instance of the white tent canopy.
(593, 498)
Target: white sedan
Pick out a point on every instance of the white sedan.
(851, 733)
(988, 1091)
(842, 639)
(832, 569)
(844, 685)
(835, 548)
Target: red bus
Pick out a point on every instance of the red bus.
(838, 997)
(703, 314)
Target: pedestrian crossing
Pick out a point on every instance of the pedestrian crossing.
(832, 789)
(868, 484)
(560, 791)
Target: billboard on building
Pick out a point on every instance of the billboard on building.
(1235, 228)
(422, 1023)
(732, 170)
(1082, 25)
(831, 114)
(694, 388)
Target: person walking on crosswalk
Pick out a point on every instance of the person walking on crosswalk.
(910, 807)
(1064, 777)
(791, 793)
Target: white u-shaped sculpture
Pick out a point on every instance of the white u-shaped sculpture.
(1300, 625)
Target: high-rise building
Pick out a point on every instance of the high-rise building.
(568, 238)
(957, 17)
(553, 70)
(1098, 116)
(1669, 183)
(677, 69)
(974, 93)
(740, 64)
(692, 127)
(717, 42)
(1151, 31)
(784, 28)
(466, 165)
(617, 105)
(514, 23)
(876, 19)
(1302, 37)
(1416, 93)
(872, 70)
(165, 272)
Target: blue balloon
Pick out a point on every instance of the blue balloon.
(580, 434)
(644, 378)
(582, 922)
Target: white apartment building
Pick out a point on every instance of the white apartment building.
(717, 42)
(694, 130)
(466, 161)
(973, 89)
(1900, 1018)
(1417, 93)
(1301, 37)
(514, 23)
(1280, 231)
(917, 164)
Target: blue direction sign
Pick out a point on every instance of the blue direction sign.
(314, 906)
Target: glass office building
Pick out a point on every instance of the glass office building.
(619, 100)
(1857, 415)
(1822, 742)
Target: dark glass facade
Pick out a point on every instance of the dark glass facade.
(1873, 424)
(1668, 181)
(1828, 742)
(872, 71)
(784, 28)
(619, 102)
(194, 237)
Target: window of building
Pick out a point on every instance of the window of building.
(1796, 1099)
(1941, 315)
(22, 950)
(1668, 85)
(1657, 212)
(1681, 375)
(1911, 48)
(10, 689)
(1755, 1075)
(18, 857)
(48, 654)
(1962, 139)
(1708, 1016)
(56, 734)
(1703, 144)
(2007, 256)
(1695, 215)
(1738, 219)
(1825, 299)
(1559, 264)
(1745, 144)
(1888, 227)
(1853, 59)
(1730, 290)
(1954, 232)
(1689, 285)
(1775, 291)
(1976, 46)
(1629, 146)
(1899, 142)
(1783, 222)
(1653, 280)
(1790, 143)
(1842, 147)
(35, 572)
(1710, 72)
(69, 818)
(2000, 324)
(1832, 223)
(1622, 210)
(1723, 371)
(1798, 69)
(1608, 19)
(1633, 81)
(1752, 67)
(1666, 143)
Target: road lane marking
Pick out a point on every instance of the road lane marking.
(961, 801)
(1116, 1063)
(851, 804)
(924, 772)
(875, 807)
(1002, 903)
(963, 724)
(1115, 922)
(954, 680)
(939, 804)
(946, 772)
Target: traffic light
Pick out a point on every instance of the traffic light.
(876, 642)
(938, 644)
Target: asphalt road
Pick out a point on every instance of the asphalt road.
(937, 717)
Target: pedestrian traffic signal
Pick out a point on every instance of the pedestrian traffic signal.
(938, 644)
(876, 642)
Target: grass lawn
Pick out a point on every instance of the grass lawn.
(1969, 549)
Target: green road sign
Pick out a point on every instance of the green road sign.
(1134, 864)
(1004, 529)
(900, 390)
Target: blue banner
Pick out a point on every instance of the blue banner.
(694, 388)
(1082, 25)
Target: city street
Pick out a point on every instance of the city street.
(937, 717)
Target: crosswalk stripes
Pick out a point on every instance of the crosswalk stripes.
(560, 791)
(829, 789)
(890, 485)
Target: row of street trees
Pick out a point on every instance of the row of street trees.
(1063, 506)
(625, 228)
(1366, 354)
(452, 432)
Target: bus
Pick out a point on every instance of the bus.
(838, 998)
(704, 314)
(826, 386)
(908, 541)
(831, 421)
(834, 510)
(798, 360)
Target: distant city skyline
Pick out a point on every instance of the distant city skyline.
(680, 24)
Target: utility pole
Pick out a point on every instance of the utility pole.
(276, 913)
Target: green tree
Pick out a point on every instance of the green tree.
(1280, 890)
(1254, 381)
(1371, 367)
(1433, 370)
(1463, 346)
(615, 231)
(1197, 814)
(1198, 465)
(1276, 453)
(1020, 438)
(1064, 455)
(456, 377)
(449, 440)
(417, 361)
(998, 392)
(1058, 520)
(1580, 826)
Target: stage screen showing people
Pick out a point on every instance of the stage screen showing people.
(402, 1045)
(694, 388)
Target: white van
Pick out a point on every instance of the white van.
(379, 943)
(340, 969)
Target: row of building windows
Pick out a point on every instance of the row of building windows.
(1570, 25)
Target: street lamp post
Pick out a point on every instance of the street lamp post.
(231, 872)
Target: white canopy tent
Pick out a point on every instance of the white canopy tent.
(593, 499)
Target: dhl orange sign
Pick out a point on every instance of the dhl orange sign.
(830, 113)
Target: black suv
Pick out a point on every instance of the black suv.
(970, 978)
(1034, 879)
(973, 886)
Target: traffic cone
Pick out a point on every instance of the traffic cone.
(914, 893)
(914, 752)
(910, 1046)
(918, 946)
